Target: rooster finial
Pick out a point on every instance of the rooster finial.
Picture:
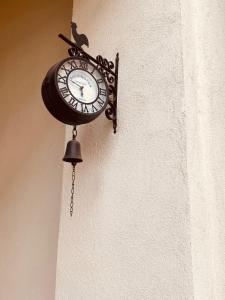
(80, 39)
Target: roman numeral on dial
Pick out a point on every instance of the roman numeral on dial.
(100, 102)
(102, 92)
(72, 64)
(99, 80)
(67, 71)
(84, 108)
(65, 92)
(62, 79)
(93, 70)
(94, 109)
(73, 102)
(83, 65)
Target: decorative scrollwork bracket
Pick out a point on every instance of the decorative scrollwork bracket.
(109, 71)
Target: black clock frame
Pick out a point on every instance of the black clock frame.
(108, 69)
(60, 108)
(58, 66)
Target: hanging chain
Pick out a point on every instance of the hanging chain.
(74, 134)
(72, 191)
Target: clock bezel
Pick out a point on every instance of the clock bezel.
(62, 98)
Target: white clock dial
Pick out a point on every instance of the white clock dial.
(83, 86)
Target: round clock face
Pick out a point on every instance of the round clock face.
(81, 86)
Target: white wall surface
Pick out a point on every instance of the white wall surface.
(204, 61)
(129, 237)
(31, 149)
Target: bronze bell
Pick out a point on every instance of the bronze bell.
(73, 154)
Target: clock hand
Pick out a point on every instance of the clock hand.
(80, 86)
(76, 83)
(80, 82)
(81, 91)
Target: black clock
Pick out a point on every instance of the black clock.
(74, 91)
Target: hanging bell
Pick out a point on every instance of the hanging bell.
(73, 154)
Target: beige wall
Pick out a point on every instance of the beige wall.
(31, 148)
(129, 237)
(204, 60)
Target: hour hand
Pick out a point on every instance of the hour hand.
(81, 91)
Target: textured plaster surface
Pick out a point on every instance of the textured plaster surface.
(129, 236)
(31, 146)
(204, 60)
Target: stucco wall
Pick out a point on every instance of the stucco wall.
(129, 237)
(31, 148)
(204, 61)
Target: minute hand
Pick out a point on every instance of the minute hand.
(77, 84)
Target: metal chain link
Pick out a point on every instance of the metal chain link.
(72, 191)
(74, 132)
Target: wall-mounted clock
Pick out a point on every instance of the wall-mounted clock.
(77, 90)
(74, 91)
